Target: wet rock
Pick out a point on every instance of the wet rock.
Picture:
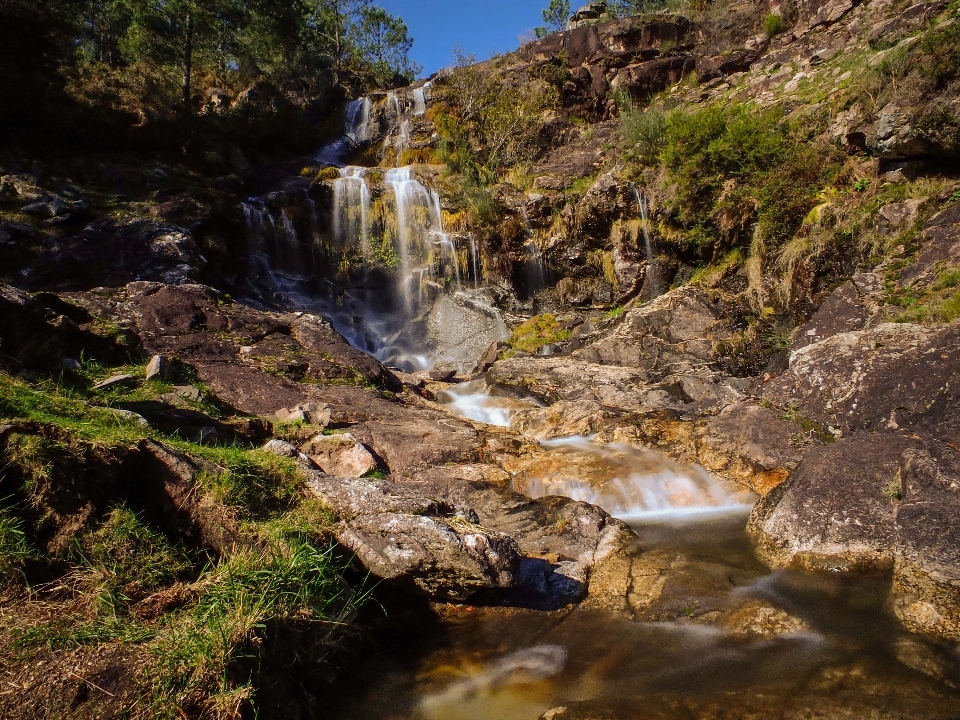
(890, 377)
(159, 368)
(570, 548)
(442, 375)
(326, 346)
(836, 511)
(752, 445)
(855, 305)
(402, 535)
(340, 455)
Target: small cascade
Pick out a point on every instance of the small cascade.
(393, 104)
(351, 208)
(403, 139)
(358, 121)
(536, 267)
(652, 280)
(419, 102)
(474, 262)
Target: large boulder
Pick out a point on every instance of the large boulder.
(927, 550)
(890, 377)
(855, 305)
(672, 333)
(836, 510)
(405, 536)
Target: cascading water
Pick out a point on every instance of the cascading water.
(536, 267)
(351, 208)
(419, 101)
(358, 120)
(652, 281)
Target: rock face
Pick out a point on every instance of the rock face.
(835, 512)
(853, 306)
(667, 335)
(890, 377)
(403, 535)
(927, 550)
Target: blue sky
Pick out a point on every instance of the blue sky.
(482, 27)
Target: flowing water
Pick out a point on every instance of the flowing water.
(652, 280)
(630, 483)
(702, 648)
(843, 658)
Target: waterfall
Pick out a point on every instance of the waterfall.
(419, 102)
(393, 103)
(351, 208)
(403, 138)
(408, 195)
(474, 261)
(536, 268)
(358, 121)
(651, 279)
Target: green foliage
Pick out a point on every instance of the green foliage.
(385, 42)
(14, 546)
(614, 312)
(489, 121)
(737, 169)
(556, 14)
(250, 480)
(773, 24)
(642, 132)
(242, 593)
(862, 184)
(127, 550)
(539, 330)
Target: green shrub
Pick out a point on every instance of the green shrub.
(773, 24)
(736, 168)
(642, 132)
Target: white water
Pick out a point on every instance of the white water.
(629, 483)
(351, 208)
(358, 120)
(473, 401)
(419, 102)
(652, 280)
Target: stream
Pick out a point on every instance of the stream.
(707, 630)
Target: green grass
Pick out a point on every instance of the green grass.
(243, 593)
(614, 312)
(14, 546)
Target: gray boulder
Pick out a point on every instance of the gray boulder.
(835, 512)
(401, 534)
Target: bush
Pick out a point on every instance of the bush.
(773, 24)
(737, 168)
(642, 132)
